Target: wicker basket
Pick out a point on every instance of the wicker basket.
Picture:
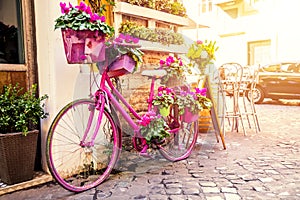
(17, 155)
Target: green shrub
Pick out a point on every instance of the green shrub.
(20, 111)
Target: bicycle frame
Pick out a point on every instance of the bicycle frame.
(104, 96)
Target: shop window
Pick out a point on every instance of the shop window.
(11, 32)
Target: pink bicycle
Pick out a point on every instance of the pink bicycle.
(85, 139)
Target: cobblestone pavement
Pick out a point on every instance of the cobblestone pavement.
(264, 165)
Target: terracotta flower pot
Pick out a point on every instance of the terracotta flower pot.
(83, 46)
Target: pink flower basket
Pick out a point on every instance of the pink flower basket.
(83, 46)
(123, 65)
(189, 117)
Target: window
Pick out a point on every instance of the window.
(205, 6)
(11, 32)
(259, 52)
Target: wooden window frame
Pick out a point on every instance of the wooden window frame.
(30, 62)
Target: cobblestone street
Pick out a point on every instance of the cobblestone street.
(264, 165)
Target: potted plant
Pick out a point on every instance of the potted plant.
(164, 99)
(153, 127)
(176, 70)
(191, 102)
(202, 53)
(83, 33)
(19, 114)
(123, 54)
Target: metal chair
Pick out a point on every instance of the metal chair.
(231, 75)
(250, 76)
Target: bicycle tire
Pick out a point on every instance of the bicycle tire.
(75, 167)
(180, 144)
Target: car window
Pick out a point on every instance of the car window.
(288, 67)
(293, 68)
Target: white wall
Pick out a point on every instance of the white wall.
(61, 81)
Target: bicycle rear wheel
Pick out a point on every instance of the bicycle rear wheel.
(180, 144)
(79, 166)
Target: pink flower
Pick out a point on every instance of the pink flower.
(135, 40)
(102, 19)
(127, 38)
(94, 17)
(199, 42)
(119, 40)
(162, 62)
(64, 9)
(82, 6)
(89, 11)
(180, 63)
(202, 91)
(161, 88)
(83, 57)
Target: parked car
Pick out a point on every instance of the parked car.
(278, 81)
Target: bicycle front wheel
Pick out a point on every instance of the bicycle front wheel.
(180, 144)
(78, 163)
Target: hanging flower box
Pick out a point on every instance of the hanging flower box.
(123, 65)
(83, 46)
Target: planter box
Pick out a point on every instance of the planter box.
(123, 65)
(156, 46)
(83, 46)
(133, 10)
(17, 155)
(189, 116)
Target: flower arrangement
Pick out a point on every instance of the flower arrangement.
(82, 18)
(174, 67)
(164, 99)
(202, 53)
(194, 101)
(163, 36)
(126, 44)
(153, 127)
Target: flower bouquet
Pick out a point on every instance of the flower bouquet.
(83, 33)
(164, 99)
(176, 70)
(202, 54)
(153, 127)
(191, 102)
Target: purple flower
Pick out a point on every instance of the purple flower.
(162, 62)
(70, 5)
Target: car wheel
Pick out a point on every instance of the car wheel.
(258, 95)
